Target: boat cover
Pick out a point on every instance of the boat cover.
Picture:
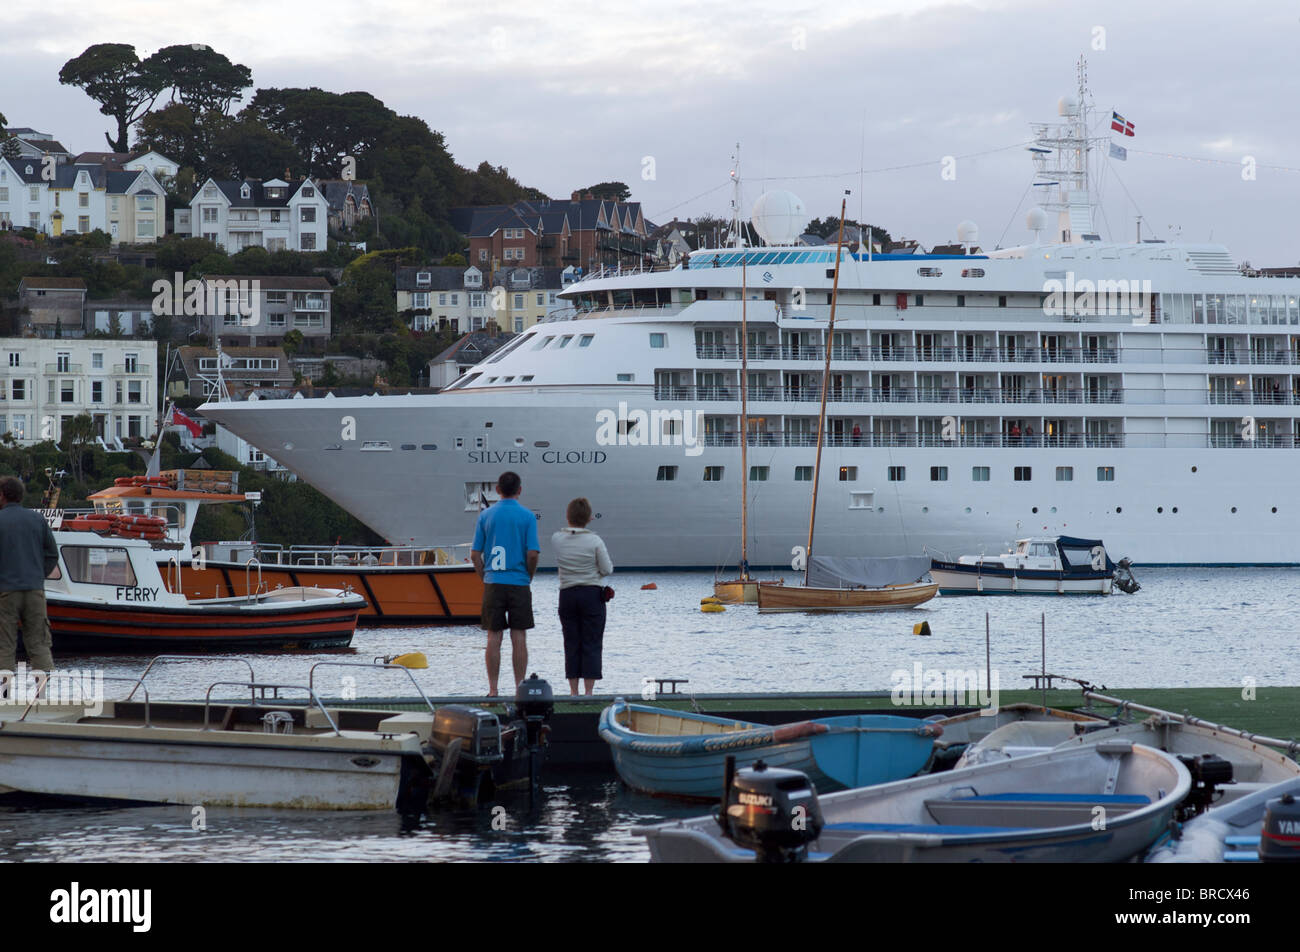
(826, 571)
(1076, 555)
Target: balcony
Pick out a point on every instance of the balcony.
(65, 369)
(136, 369)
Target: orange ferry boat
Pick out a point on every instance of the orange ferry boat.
(402, 584)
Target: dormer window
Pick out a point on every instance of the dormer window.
(29, 170)
(245, 192)
(473, 278)
(423, 277)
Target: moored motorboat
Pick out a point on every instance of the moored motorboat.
(402, 584)
(1103, 803)
(681, 753)
(962, 730)
(108, 594)
(1055, 565)
(1230, 833)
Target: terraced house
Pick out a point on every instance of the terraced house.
(80, 198)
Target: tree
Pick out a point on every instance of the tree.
(200, 77)
(9, 147)
(246, 148)
(455, 259)
(610, 191)
(113, 76)
(77, 434)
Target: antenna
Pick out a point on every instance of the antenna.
(737, 236)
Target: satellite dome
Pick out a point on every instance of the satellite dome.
(1067, 105)
(968, 232)
(779, 217)
(1036, 220)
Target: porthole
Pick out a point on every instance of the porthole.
(1053, 509)
(968, 509)
(1118, 510)
(882, 509)
(1193, 469)
(925, 508)
(519, 441)
(1175, 509)
(1275, 508)
(1234, 508)
(1035, 509)
(1160, 508)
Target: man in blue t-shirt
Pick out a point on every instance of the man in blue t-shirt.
(505, 554)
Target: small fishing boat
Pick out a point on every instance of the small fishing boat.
(108, 594)
(1042, 565)
(269, 750)
(1106, 802)
(853, 585)
(402, 584)
(1230, 833)
(679, 753)
(962, 730)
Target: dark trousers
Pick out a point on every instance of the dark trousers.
(582, 616)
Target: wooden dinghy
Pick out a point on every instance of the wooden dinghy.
(1041, 808)
(679, 753)
(803, 598)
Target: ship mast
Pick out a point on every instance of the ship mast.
(744, 382)
(1061, 157)
(826, 379)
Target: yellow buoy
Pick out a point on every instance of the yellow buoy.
(710, 600)
(413, 659)
(712, 606)
(922, 628)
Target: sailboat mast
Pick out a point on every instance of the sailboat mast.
(826, 380)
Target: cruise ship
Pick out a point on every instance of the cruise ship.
(1143, 392)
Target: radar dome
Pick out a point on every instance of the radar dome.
(968, 232)
(779, 217)
(1036, 220)
(1067, 105)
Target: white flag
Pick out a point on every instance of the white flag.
(1118, 152)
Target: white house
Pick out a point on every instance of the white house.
(80, 198)
(156, 164)
(44, 383)
(275, 214)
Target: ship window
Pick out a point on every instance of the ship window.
(961, 300)
(666, 473)
(525, 378)
(376, 446)
(1064, 474)
(564, 341)
(848, 474)
(1023, 474)
(803, 474)
(460, 442)
(585, 340)
(543, 342)
(875, 300)
(979, 474)
(625, 378)
(428, 446)
(897, 474)
(862, 500)
(1105, 474)
(1002, 300)
(96, 565)
(758, 474)
(408, 446)
(713, 474)
(919, 299)
(334, 446)
(938, 474)
(658, 341)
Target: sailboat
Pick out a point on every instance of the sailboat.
(846, 584)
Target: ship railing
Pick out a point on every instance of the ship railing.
(378, 665)
(189, 659)
(717, 351)
(383, 555)
(255, 686)
(76, 678)
(1261, 441)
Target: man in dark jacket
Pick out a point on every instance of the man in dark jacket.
(28, 554)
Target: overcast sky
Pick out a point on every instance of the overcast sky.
(570, 93)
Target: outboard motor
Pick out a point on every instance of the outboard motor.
(1124, 580)
(1279, 839)
(770, 810)
(1209, 772)
(535, 702)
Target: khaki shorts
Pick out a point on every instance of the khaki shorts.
(507, 606)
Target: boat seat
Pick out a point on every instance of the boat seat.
(1032, 809)
(950, 829)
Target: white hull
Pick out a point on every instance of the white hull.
(967, 583)
(421, 495)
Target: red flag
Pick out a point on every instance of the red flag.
(1119, 124)
(180, 419)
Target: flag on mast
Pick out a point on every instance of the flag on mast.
(1118, 152)
(1119, 124)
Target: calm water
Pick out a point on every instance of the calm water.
(1187, 627)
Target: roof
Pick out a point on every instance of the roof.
(113, 160)
(45, 145)
(190, 357)
(257, 198)
(337, 190)
(441, 278)
(27, 169)
(53, 284)
(276, 282)
(475, 346)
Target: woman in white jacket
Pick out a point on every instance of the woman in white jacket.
(583, 562)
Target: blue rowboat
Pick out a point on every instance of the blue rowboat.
(679, 753)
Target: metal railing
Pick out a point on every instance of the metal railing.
(254, 687)
(383, 666)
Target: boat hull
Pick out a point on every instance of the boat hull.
(957, 579)
(395, 595)
(799, 598)
(78, 626)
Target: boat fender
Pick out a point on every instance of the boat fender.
(789, 732)
(649, 587)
